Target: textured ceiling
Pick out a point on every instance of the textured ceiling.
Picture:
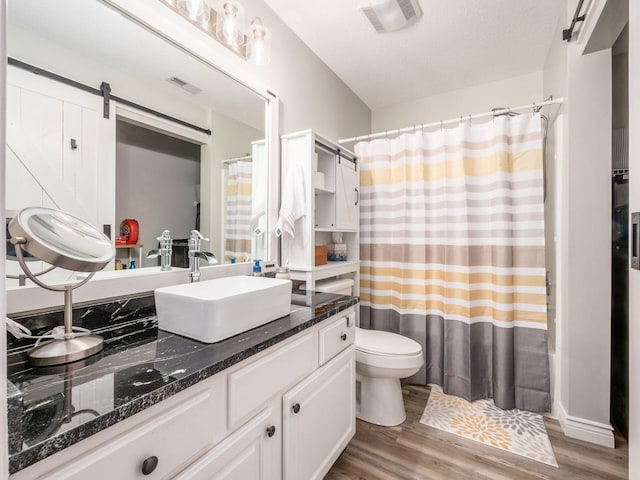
(456, 44)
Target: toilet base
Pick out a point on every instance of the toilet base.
(380, 401)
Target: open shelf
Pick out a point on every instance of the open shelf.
(324, 191)
(337, 265)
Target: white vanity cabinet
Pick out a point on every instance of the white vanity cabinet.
(154, 444)
(286, 412)
(253, 452)
(319, 419)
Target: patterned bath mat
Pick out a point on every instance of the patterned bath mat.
(515, 431)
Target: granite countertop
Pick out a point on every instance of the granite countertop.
(53, 408)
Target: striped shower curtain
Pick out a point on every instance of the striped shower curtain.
(452, 251)
(238, 212)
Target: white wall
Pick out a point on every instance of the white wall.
(580, 149)
(156, 178)
(509, 92)
(556, 209)
(634, 206)
(589, 283)
(311, 95)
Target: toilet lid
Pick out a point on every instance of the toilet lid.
(385, 343)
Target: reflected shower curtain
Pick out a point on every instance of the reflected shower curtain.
(238, 213)
(452, 255)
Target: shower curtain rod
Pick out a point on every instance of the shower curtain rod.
(494, 113)
(237, 159)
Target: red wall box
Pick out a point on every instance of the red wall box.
(129, 229)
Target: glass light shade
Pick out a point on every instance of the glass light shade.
(230, 23)
(258, 43)
(195, 10)
(389, 14)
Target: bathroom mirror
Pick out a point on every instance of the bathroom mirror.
(180, 145)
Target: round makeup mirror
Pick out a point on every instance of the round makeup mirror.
(68, 242)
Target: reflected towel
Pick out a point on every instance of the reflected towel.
(293, 205)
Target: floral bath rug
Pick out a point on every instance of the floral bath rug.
(516, 431)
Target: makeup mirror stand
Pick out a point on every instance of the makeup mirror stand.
(75, 345)
(64, 241)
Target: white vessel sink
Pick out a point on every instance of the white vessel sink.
(214, 310)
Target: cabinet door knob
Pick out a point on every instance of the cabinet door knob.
(343, 337)
(271, 431)
(149, 465)
(296, 408)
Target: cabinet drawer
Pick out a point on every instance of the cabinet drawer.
(336, 336)
(174, 437)
(252, 386)
(253, 452)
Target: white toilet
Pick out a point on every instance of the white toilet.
(382, 359)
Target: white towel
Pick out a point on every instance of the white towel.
(293, 206)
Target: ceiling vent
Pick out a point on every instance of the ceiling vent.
(391, 15)
(178, 82)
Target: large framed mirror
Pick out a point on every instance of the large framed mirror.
(180, 145)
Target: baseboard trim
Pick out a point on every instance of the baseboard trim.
(587, 430)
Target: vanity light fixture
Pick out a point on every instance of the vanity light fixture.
(195, 10)
(258, 43)
(229, 24)
(224, 21)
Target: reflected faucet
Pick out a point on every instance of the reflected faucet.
(164, 252)
(195, 254)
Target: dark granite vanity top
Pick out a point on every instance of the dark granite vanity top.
(53, 408)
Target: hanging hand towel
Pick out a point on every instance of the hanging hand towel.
(293, 200)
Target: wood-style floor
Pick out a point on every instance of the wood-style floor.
(415, 451)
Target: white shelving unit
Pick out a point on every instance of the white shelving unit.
(331, 188)
(129, 248)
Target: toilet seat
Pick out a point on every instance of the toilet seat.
(377, 342)
(376, 348)
(393, 362)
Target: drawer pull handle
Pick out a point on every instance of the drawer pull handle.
(149, 465)
(296, 408)
(343, 337)
(271, 431)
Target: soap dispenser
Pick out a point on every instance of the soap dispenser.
(257, 270)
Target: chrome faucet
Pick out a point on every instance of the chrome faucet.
(164, 252)
(195, 254)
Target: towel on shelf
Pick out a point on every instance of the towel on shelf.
(293, 204)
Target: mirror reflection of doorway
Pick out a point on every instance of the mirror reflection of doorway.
(157, 184)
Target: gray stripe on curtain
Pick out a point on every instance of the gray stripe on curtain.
(466, 358)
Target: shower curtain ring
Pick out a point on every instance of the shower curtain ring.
(534, 107)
